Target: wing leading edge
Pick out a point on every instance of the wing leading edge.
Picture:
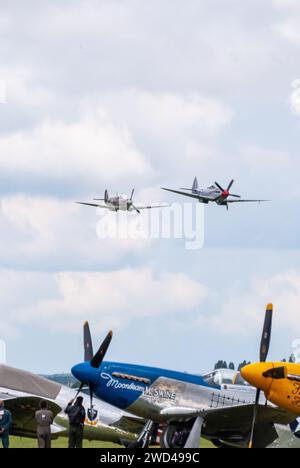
(95, 205)
(191, 195)
(150, 207)
(246, 201)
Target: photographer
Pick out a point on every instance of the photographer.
(76, 414)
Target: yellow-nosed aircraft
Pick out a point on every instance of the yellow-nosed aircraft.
(279, 381)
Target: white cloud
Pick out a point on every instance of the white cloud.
(286, 4)
(62, 301)
(78, 48)
(295, 97)
(46, 233)
(92, 148)
(289, 26)
(289, 29)
(255, 156)
(170, 127)
(243, 314)
(100, 151)
(180, 114)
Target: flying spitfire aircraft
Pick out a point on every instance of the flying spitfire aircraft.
(279, 381)
(121, 203)
(215, 193)
(186, 405)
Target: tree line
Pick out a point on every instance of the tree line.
(224, 365)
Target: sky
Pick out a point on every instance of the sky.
(116, 94)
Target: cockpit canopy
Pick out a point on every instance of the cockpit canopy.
(221, 377)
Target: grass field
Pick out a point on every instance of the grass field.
(18, 442)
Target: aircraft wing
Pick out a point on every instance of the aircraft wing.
(6, 397)
(22, 392)
(191, 195)
(233, 424)
(131, 424)
(149, 207)
(92, 204)
(246, 201)
(23, 414)
(222, 423)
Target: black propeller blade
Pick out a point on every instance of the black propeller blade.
(264, 351)
(131, 202)
(219, 187)
(228, 189)
(266, 335)
(136, 209)
(254, 418)
(87, 343)
(91, 390)
(230, 185)
(78, 391)
(96, 361)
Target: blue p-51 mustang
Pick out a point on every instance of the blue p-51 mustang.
(187, 406)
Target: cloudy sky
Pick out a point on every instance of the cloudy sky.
(127, 93)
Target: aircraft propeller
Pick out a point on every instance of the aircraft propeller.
(226, 193)
(264, 350)
(130, 203)
(95, 360)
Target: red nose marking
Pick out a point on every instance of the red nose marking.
(225, 194)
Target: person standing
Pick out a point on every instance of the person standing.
(44, 418)
(5, 423)
(76, 414)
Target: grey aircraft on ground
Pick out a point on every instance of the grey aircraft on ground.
(121, 203)
(215, 193)
(22, 392)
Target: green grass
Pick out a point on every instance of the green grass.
(62, 442)
(18, 442)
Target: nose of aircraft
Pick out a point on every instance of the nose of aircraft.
(253, 374)
(81, 372)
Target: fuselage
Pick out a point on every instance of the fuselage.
(213, 193)
(146, 391)
(118, 203)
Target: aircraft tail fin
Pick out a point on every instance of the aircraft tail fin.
(195, 185)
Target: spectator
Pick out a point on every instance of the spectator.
(44, 419)
(76, 414)
(5, 423)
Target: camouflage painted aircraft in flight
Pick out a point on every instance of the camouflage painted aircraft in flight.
(215, 193)
(122, 203)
